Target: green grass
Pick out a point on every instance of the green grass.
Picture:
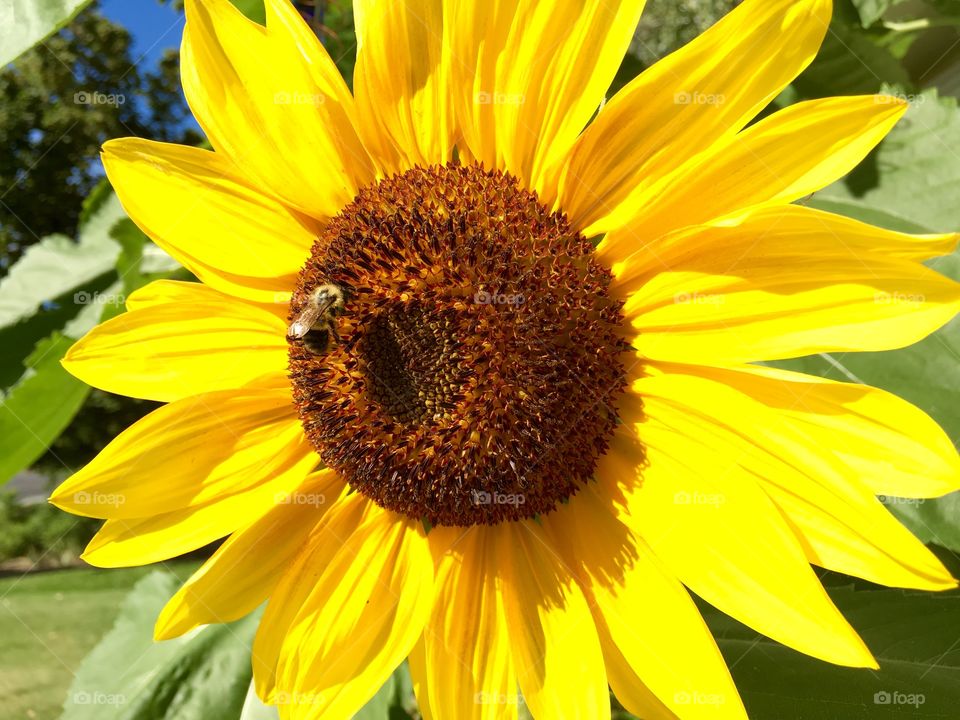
(48, 622)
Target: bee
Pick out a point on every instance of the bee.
(316, 323)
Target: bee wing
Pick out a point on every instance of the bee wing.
(304, 321)
(308, 316)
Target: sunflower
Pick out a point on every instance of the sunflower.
(534, 397)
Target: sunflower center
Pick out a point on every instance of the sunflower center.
(478, 364)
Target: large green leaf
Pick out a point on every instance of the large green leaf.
(24, 23)
(93, 278)
(395, 700)
(872, 10)
(913, 636)
(128, 676)
(850, 63)
(57, 266)
(38, 408)
(915, 172)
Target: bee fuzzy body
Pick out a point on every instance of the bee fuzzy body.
(315, 325)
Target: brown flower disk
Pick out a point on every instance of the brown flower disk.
(480, 359)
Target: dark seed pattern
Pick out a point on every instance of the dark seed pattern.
(481, 356)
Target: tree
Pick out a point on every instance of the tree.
(59, 103)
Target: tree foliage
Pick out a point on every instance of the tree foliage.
(59, 102)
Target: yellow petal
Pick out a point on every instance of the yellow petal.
(246, 568)
(818, 233)
(402, 85)
(273, 101)
(681, 106)
(708, 520)
(627, 687)
(839, 522)
(646, 611)
(782, 158)
(469, 671)
(417, 662)
(194, 205)
(199, 341)
(893, 446)
(756, 290)
(370, 593)
(191, 452)
(555, 647)
(295, 587)
(128, 542)
(528, 75)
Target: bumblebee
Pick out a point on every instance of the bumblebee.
(316, 325)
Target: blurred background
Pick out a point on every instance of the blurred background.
(76, 641)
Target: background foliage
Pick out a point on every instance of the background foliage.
(69, 256)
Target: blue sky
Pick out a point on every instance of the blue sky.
(154, 27)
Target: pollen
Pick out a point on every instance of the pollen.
(480, 359)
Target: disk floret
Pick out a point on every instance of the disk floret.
(480, 359)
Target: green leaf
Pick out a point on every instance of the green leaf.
(255, 709)
(253, 9)
(24, 23)
(394, 700)
(860, 210)
(912, 635)
(933, 521)
(915, 172)
(850, 63)
(872, 10)
(128, 676)
(39, 407)
(57, 266)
